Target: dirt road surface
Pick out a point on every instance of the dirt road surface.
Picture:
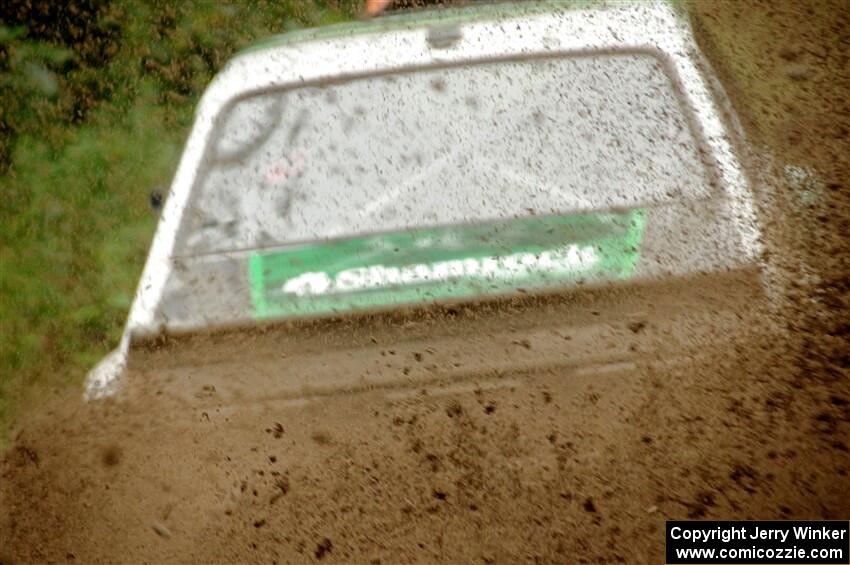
(563, 429)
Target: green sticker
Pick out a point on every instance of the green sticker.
(444, 263)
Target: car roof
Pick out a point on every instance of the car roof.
(413, 19)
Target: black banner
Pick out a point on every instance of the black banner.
(816, 542)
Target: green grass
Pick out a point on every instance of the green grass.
(75, 222)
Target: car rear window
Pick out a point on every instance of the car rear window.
(465, 144)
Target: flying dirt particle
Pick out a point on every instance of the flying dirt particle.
(111, 456)
(699, 509)
(418, 357)
(547, 397)
(490, 408)
(416, 447)
(825, 423)
(522, 343)
(635, 327)
(454, 409)
(588, 505)
(282, 486)
(433, 462)
(272, 459)
(260, 523)
(323, 548)
(840, 446)
(744, 476)
(161, 530)
(789, 53)
(440, 495)
(27, 454)
(156, 199)
(836, 400)
(321, 437)
(706, 498)
(276, 430)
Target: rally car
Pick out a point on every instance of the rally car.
(563, 177)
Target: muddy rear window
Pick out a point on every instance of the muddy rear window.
(443, 146)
